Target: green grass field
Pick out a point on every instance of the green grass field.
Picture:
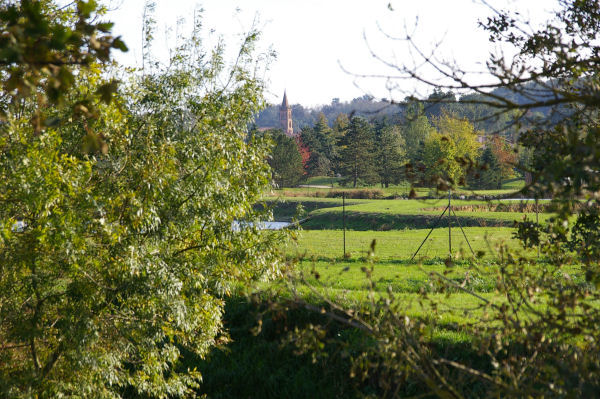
(352, 278)
(398, 245)
(398, 227)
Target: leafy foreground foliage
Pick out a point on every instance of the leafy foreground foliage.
(394, 340)
(116, 238)
(41, 43)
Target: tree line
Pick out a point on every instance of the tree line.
(417, 147)
(480, 109)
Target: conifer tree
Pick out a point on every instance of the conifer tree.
(285, 160)
(391, 155)
(490, 176)
(357, 153)
(321, 143)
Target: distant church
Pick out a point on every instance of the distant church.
(285, 119)
(285, 116)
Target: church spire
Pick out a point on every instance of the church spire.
(285, 116)
(285, 100)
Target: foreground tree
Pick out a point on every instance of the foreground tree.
(117, 244)
(42, 44)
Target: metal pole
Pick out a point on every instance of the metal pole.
(537, 222)
(428, 234)
(449, 223)
(463, 231)
(344, 219)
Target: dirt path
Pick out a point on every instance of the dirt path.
(312, 186)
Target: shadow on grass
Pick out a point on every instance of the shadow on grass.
(420, 260)
(268, 364)
(384, 222)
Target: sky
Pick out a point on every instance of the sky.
(325, 48)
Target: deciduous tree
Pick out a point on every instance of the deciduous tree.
(116, 258)
(505, 154)
(440, 160)
(41, 46)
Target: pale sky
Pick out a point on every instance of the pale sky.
(316, 39)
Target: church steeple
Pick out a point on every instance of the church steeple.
(285, 101)
(285, 116)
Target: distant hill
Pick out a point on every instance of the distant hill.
(365, 106)
(482, 116)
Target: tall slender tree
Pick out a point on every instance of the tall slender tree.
(327, 138)
(285, 160)
(415, 130)
(357, 152)
(391, 155)
(321, 143)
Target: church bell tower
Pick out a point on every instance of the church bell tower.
(285, 116)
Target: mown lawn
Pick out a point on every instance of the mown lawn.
(424, 208)
(395, 229)
(351, 279)
(398, 245)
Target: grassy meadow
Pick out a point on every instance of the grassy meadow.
(398, 245)
(382, 237)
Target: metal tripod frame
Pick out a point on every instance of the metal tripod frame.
(450, 212)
